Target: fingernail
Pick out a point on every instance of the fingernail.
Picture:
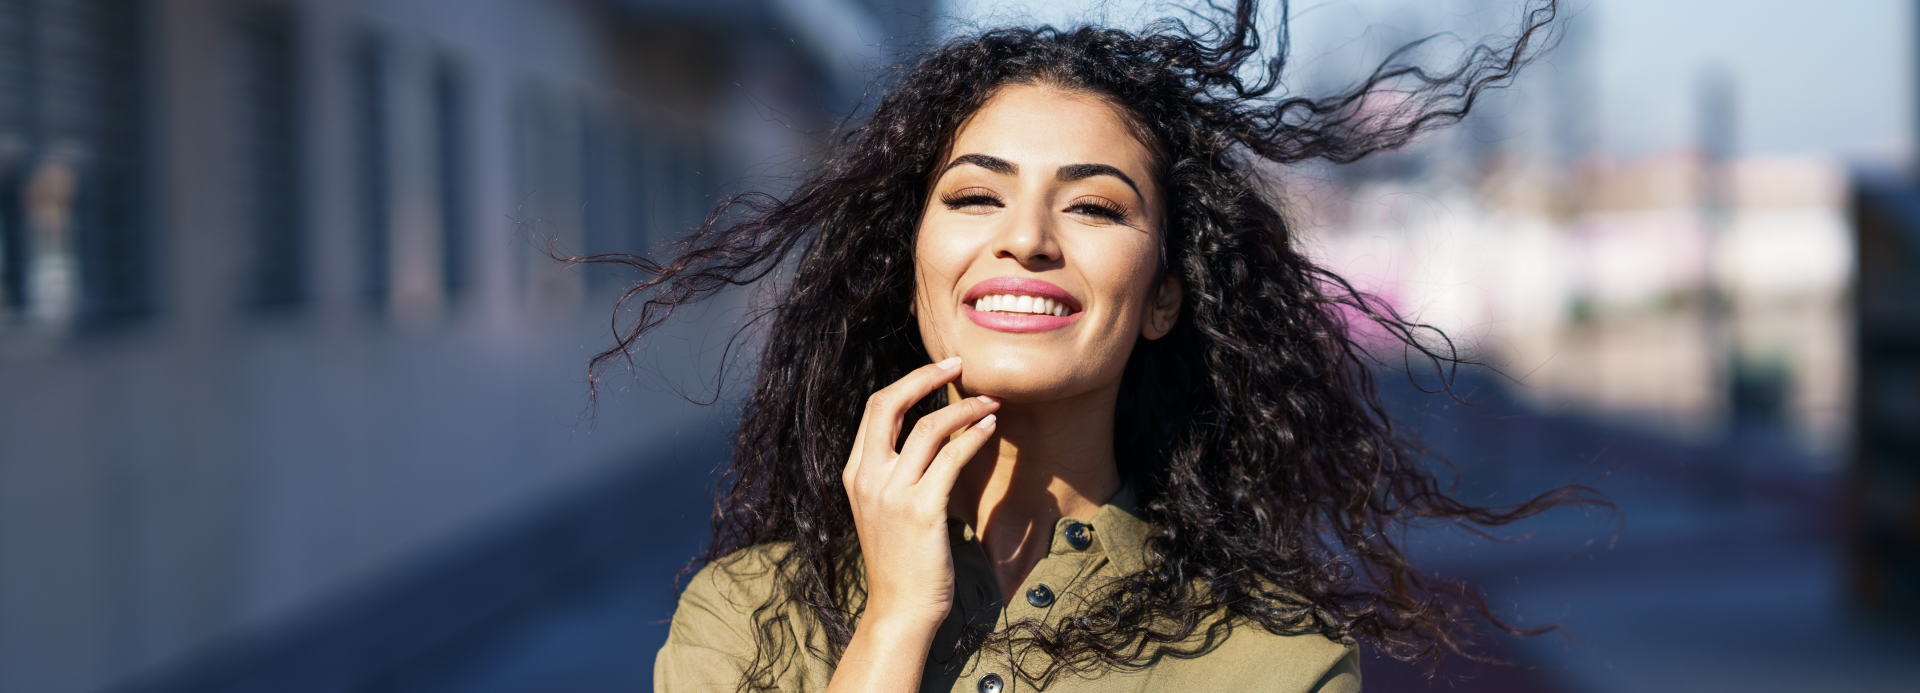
(948, 364)
(989, 400)
(985, 423)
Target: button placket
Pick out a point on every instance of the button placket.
(1052, 587)
(1079, 536)
(991, 683)
(1059, 570)
(1041, 596)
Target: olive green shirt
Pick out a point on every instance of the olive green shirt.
(711, 641)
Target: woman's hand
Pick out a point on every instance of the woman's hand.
(900, 512)
(900, 498)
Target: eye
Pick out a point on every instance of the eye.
(971, 199)
(1099, 207)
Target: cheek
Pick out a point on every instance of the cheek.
(936, 245)
(939, 259)
(1121, 274)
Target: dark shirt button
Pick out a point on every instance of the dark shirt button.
(1078, 537)
(1040, 596)
(991, 684)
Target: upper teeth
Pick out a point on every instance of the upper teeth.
(1009, 303)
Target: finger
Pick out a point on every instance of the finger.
(886, 408)
(852, 470)
(935, 430)
(955, 455)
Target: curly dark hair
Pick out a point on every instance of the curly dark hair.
(1272, 478)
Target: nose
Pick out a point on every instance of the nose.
(1029, 238)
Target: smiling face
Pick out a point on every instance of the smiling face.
(1037, 255)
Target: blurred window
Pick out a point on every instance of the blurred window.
(450, 120)
(370, 107)
(687, 187)
(546, 145)
(412, 113)
(619, 172)
(602, 179)
(595, 175)
(74, 244)
(270, 153)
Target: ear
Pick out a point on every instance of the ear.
(1163, 307)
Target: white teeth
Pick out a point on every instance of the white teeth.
(1009, 303)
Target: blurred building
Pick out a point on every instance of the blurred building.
(1685, 294)
(1885, 488)
(1590, 291)
(277, 315)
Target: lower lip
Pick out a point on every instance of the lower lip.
(1008, 322)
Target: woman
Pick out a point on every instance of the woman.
(1051, 401)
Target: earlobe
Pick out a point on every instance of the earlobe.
(1163, 308)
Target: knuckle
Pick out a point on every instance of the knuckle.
(932, 507)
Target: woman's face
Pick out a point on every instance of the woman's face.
(1037, 254)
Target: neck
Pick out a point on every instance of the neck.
(1046, 461)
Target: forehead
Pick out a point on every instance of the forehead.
(1048, 127)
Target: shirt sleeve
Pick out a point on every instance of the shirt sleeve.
(1343, 677)
(709, 644)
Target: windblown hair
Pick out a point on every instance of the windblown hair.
(1272, 478)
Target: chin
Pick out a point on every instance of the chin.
(1016, 390)
(1024, 378)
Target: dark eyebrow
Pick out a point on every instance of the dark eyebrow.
(1073, 172)
(991, 163)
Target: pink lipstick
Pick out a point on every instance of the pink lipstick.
(1014, 304)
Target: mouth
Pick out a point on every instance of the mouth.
(1012, 304)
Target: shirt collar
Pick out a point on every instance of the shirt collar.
(1118, 532)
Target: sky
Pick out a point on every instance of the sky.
(1832, 80)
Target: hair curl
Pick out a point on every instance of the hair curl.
(1273, 480)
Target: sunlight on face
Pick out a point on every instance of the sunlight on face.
(1037, 253)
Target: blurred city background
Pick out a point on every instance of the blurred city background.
(293, 398)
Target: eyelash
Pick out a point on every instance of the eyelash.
(1104, 209)
(968, 198)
